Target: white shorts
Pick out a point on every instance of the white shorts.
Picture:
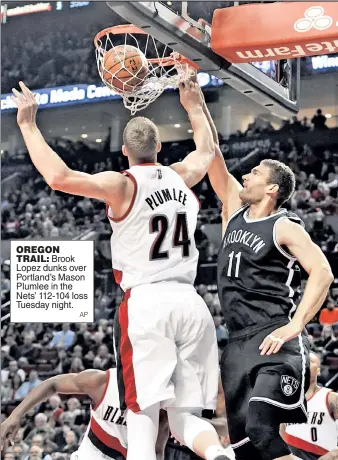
(166, 348)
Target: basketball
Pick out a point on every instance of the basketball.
(125, 67)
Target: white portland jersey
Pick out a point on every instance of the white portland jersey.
(319, 435)
(106, 435)
(154, 241)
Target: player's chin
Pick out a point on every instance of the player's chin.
(244, 195)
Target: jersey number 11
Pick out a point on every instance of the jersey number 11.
(238, 261)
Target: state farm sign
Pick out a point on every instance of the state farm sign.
(277, 31)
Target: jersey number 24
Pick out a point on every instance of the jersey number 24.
(159, 224)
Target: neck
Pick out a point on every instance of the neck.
(140, 161)
(312, 390)
(262, 209)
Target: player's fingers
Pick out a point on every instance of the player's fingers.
(18, 95)
(272, 348)
(263, 343)
(16, 101)
(26, 92)
(276, 344)
(266, 347)
(278, 347)
(193, 75)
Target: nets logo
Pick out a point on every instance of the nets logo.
(289, 385)
(314, 19)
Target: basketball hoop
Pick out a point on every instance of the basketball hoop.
(166, 69)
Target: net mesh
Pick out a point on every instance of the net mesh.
(165, 68)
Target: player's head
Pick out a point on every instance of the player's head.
(141, 141)
(270, 180)
(314, 367)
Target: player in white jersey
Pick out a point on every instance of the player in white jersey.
(165, 338)
(106, 434)
(317, 437)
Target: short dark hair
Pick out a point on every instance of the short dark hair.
(141, 138)
(281, 175)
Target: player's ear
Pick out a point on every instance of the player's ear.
(159, 147)
(272, 189)
(124, 150)
(318, 370)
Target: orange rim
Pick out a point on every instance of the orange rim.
(131, 29)
(116, 30)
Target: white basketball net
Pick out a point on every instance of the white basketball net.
(159, 78)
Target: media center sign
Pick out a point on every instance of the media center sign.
(64, 95)
(82, 94)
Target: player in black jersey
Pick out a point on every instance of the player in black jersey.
(265, 366)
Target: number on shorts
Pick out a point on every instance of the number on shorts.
(159, 224)
(231, 257)
(314, 435)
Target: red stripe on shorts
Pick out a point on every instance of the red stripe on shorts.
(107, 439)
(118, 275)
(303, 445)
(126, 353)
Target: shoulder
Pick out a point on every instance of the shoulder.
(97, 376)
(293, 217)
(121, 188)
(333, 396)
(92, 378)
(286, 217)
(113, 179)
(332, 400)
(287, 226)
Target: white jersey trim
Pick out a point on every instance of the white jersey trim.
(240, 443)
(237, 212)
(300, 403)
(261, 219)
(280, 249)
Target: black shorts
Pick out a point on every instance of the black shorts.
(303, 454)
(177, 452)
(280, 380)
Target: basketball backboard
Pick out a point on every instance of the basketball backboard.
(185, 27)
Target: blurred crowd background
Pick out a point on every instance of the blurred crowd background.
(46, 56)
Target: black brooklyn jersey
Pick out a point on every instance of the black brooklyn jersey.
(257, 278)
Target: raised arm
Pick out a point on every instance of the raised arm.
(86, 382)
(225, 186)
(195, 165)
(108, 186)
(311, 258)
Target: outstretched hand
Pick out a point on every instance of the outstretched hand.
(26, 104)
(8, 430)
(276, 339)
(190, 94)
